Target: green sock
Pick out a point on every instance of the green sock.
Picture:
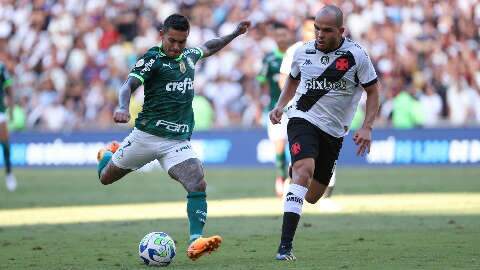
(280, 164)
(107, 156)
(197, 213)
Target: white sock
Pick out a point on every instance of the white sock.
(293, 201)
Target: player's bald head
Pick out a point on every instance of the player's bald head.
(331, 12)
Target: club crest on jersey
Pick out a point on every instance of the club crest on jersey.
(140, 63)
(190, 63)
(342, 64)
(182, 66)
(324, 60)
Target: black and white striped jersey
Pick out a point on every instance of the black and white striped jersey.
(331, 85)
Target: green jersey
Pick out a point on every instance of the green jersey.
(270, 73)
(168, 89)
(5, 81)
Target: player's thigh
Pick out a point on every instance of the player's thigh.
(327, 159)
(3, 127)
(304, 148)
(136, 150)
(183, 165)
(175, 152)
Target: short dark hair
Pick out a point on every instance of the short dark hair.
(279, 25)
(177, 22)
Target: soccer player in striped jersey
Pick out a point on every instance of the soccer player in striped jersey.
(326, 81)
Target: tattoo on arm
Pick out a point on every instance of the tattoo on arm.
(214, 45)
(128, 87)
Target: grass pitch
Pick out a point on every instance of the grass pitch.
(408, 218)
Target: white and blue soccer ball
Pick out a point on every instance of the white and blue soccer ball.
(157, 249)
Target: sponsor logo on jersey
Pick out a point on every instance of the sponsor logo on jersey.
(182, 66)
(325, 85)
(192, 50)
(179, 128)
(310, 51)
(140, 63)
(307, 62)
(341, 53)
(186, 84)
(190, 63)
(324, 60)
(147, 66)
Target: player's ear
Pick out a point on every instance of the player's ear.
(341, 30)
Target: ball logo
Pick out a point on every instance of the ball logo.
(296, 148)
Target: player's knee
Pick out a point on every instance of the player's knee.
(197, 182)
(302, 173)
(312, 199)
(105, 179)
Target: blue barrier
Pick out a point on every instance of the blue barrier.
(252, 148)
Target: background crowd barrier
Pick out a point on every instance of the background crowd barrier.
(251, 148)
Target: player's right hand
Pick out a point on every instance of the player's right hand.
(276, 115)
(121, 116)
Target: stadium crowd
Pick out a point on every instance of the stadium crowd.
(68, 58)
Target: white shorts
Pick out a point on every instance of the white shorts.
(3, 117)
(278, 131)
(139, 148)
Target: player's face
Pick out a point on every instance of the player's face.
(327, 34)
(173, 42)
(282, 37)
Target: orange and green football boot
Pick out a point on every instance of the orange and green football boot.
(202, 246)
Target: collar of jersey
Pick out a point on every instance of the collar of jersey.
(278, 53)
(162, 54)
(339, 46)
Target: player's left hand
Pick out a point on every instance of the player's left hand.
(242, 27)
(363, 138)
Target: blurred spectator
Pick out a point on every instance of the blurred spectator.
(407, 111)
(71, 56)
(203, 112)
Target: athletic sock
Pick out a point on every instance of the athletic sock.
(107, 156)
(197, 213)
(6, 157)
(293, 204)
(280, 164)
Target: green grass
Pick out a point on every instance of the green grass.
(327, 241)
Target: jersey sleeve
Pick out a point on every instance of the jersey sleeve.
(366, 72)
(262, 76)
(287, 60)
(295, 68)
(144, 67)
(195, 54)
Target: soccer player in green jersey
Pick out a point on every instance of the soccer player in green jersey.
(268, 78)
(6, 91)
(164, 126)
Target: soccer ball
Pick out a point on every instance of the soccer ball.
(157, 248)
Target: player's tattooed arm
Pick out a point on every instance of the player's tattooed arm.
(122, 114)
(214, 45)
